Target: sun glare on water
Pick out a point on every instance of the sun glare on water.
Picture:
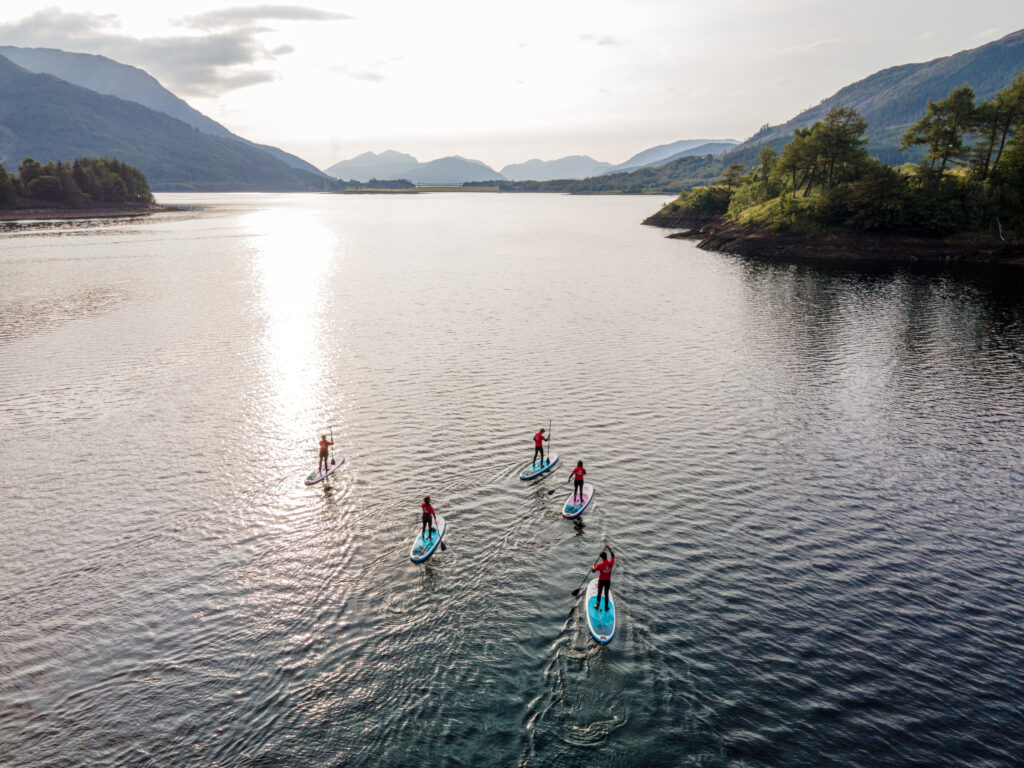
(294, 259)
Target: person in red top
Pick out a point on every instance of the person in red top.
(324, 442)
(538, 446)
(428, 517)
(604, 577)
(577, 485)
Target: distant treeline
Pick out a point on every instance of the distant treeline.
(971, 177)
(668, 179)
(84, 183)
(338, 185)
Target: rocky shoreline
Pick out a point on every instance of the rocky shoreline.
(714, 234)
(106, 212)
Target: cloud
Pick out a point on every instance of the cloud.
(245, 15)
(599, 39)
(989, 34)
(811, 46)
(373, 75)
(923, 36)
(205, 64)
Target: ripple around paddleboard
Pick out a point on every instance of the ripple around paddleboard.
(810, 479)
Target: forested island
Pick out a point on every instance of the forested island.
(824, 196)
(85, 187)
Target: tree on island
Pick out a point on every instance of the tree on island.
(7, 197)
(971, 178)
(942, 129)
(732, 175)
(87, 182)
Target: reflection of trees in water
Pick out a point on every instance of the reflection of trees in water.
(896, 321)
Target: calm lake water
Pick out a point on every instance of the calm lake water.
(812, 479)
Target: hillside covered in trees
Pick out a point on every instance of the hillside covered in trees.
(892, 99)
(47, 118)
(969, 184)
(86, 183)
(670, 179)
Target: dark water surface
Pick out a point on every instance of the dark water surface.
(812, 479)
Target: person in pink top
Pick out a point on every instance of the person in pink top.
(538, 446)
(428, 517)
(577, 482)
(604, 576)
(324, 443)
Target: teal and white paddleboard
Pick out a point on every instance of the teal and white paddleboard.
(537, 469)
(600, 621)
(315, 477)
(424, 548)
(575, 505)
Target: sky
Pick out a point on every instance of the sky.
(506, 82)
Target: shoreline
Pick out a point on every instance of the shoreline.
(713, 234)
(57, 214)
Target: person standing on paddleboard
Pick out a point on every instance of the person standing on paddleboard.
(538, 446)
(577, 481)
(324, 443)
(428, 516)
(604, 577)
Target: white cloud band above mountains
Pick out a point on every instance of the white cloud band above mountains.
(227, 54)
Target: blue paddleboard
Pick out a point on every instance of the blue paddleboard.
(424, 548)
(574, 506)
(531, 471)
(315, 477)
(600, 621)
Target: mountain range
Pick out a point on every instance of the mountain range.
(106, 76)
(396, 165)
(570, 167)
(46, 118)
(457, 170)
(56, 105)
(666, 153)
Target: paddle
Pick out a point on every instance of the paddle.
(549, 442)
(557, 487)
(576, 592)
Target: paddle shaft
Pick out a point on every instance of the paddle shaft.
(577, 590)
(557, 486)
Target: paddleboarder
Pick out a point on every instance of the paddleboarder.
(324, 444)
(538, 445)
(428, 517)
(604, 576)
(577, 482)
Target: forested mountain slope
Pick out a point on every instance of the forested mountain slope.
(46, 118)
(892, 99)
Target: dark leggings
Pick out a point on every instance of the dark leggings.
(603, 586)
(426, 524)
(577, 488)
(538, 450)
(323, 460)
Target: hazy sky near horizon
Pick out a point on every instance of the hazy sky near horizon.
(507, 82)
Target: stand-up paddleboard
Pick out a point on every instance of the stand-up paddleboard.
(317, 476)
(424, 548)
(537, 469)
(574, 505)
(600, 622)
